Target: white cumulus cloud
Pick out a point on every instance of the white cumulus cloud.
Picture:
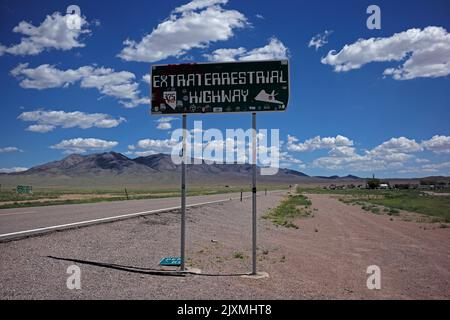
(435, 167)
(9, 149)
(318, 143)
(40, 128)
(274, 50)
(389, 155)
(393, 154)
(225, 55)
(320, 39)
(194, 25)
(399, 145)
(164, 126)
(153, 146)
(120, 85)
(147, 79)
(13, 170)
(83, 145)
(422, 52)
(199, 4)
(438, 144)
(164, 123)
(52, 33)
(48, 120)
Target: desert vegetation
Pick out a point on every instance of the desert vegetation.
(290, 209)
(437, 207)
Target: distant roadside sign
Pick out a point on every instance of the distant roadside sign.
(254, 86)
(24, 189)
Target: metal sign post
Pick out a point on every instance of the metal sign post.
(254, 142)
(183, 197)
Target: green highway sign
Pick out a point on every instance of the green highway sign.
(24, 189)
(254, 86)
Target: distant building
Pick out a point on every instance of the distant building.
(404, 186)
(426, 187)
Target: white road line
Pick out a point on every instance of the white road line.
(12, 235)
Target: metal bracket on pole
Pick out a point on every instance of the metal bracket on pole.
(183, 198)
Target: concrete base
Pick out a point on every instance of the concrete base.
(258, 275)
(192, 270)
(169, 268)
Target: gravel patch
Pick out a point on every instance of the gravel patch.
(326, 258)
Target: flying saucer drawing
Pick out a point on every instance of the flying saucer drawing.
(265, 97)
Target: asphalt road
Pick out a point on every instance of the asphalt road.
(25, 221)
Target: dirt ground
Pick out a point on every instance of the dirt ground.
(326, 258)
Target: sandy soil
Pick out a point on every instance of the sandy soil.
(326, 258)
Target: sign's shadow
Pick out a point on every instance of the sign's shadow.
(145, 271)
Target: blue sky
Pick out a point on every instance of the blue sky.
(375, 105)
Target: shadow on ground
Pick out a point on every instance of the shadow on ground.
(146, 271)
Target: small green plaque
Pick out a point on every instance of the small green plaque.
(170, 261)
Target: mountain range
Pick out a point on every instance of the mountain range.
(113, 168)
(112, 163)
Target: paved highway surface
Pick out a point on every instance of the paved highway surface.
(19, 222)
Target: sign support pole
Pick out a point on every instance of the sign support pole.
(171, 95)
(254, 194)
(183, 197)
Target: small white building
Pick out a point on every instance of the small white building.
(384, 186)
